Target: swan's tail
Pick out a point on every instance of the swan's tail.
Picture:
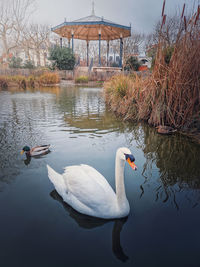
(57, 180)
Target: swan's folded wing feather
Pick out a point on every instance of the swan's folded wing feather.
(97, 176)
(89, 187)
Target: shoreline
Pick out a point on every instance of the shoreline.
(73, 83)
(192, 133)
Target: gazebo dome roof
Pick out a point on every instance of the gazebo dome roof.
(89, 28)
(93, 18)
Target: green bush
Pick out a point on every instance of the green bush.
(15, 63)
(29, 64)
(62, 58)
(132, 63)
(82, 79)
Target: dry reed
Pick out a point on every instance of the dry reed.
(49, 78)
(171, 94)
(175, 86)
(46, 79)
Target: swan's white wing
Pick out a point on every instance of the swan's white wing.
(90, 188)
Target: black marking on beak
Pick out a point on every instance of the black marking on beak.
(130, 156)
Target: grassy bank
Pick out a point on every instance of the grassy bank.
(170, 95)
(19, 81)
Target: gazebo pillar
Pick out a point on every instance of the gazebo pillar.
(61, 42)
(99, 48)
(121, 52)
(108, 48)
(87, 53)
(72, 42)
(68, 42)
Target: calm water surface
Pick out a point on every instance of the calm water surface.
(38, 229)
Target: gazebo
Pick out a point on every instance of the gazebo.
(93, 28)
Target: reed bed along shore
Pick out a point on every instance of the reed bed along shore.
(170, 95)
(19, 81)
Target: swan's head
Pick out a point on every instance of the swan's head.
(125, 154)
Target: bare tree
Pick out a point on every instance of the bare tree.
(37, 40)
(14, 15)
(133, 44)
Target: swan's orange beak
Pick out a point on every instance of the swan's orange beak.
(132, 164)
(22, 152)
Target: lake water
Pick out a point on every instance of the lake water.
(38, 229)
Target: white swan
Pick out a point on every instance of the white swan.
(88, 192)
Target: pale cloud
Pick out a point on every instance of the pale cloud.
(142, 14)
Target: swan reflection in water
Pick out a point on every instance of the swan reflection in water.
(89, 222)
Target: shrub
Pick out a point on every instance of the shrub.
(62, 58)
(29, 64)
(132, 63)
(15, 63)
(121, 94)
(49, 78)
(82, 79)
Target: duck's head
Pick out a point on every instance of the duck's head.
(25, 149)
(125, 154)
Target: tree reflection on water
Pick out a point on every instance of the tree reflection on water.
(171, 163)
(177, 160)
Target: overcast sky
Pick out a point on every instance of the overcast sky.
(142, 14)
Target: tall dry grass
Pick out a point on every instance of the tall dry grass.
(122, 94)
(46, 79)
(49, 78)
(171, 94)
(175, 85)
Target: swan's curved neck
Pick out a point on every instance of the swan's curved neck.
(119, 180)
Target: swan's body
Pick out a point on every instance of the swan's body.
(88, 192)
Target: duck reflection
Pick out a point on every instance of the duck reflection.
(27, 161)
(89, 222)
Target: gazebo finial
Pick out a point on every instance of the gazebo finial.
(93, 13)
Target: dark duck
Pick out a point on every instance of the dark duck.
(35, 151)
